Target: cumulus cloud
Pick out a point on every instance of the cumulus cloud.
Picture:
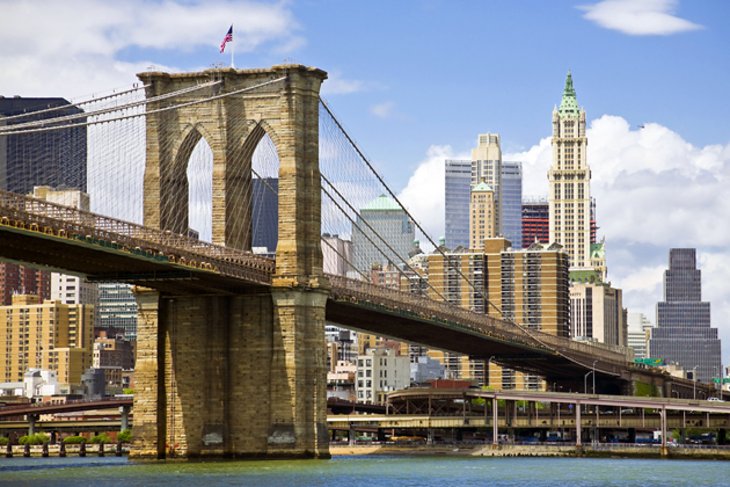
(85, 44)
(383, 110)
(424, 192)
(654, 191)
(638, 17)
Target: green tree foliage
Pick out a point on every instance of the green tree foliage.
(36, 439)
(125, 436)
(102, 438)
(74, 440)
(3, 441)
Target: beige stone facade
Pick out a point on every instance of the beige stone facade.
(45, 335)
(243, 375)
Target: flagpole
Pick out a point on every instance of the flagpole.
(233, 48)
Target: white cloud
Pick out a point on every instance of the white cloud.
(638, 17)
(383, 110)
(77, 47)
(423, 195)
(654, 191)
(336, 84)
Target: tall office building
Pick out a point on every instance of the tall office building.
(117, 309)
(486, 159)
(535, 222)
(597, 313)
(512, 202)
(482, 215)
(265, 213)
(388, 220)
(456, 202)
(639, 330)
(683, 333)
(569, 179)
(54, 158)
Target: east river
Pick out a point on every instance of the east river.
(371, 471)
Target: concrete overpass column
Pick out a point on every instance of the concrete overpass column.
(124, 412)
(663, 414)
(578, 427)
(32, 418)
(495, 422)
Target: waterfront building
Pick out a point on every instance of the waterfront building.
(45, 335)
(528, 287)
(638, 333)
(684, 333)
(381, 371)
(388, 220)
(482, 215)
(456, 202)
(569, 178)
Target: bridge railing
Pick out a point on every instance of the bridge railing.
(401, 302)
(62, 221)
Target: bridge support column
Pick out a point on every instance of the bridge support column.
(149, 397)
(298, 375)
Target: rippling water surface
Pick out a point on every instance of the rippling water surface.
(358, 471)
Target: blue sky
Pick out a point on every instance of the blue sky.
(416, 81)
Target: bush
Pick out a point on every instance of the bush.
(36, 439)
(102, 438)
(127, 391)
(3, 441)
(125, 436)
(74, 440)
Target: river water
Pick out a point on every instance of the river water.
(357, 471)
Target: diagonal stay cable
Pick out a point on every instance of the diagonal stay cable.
(76, 104)
(324, 178)
(148, 112)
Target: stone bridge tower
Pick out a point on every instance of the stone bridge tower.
(238, 374)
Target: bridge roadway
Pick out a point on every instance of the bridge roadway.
(106, 249)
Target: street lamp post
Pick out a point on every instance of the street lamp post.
(694, 382)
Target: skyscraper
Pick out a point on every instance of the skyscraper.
(486, 159)
(482, 215)
(265, 213)
(535, 222)
(569, 180)
(512, 202)
(683, 333)
(388, 220)
(456, 201)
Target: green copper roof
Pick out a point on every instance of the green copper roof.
(598, 250)
(569, 103)
(482, 187)
(382, 203)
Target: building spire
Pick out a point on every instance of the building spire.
(569, 103)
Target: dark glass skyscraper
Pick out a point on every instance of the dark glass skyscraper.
(683, 333)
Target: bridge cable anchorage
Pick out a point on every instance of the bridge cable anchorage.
(355, 225)
(16, 128)
(3, 130)
(78, 104)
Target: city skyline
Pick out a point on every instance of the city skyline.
(653, 91)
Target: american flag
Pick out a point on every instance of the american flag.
(228, 38)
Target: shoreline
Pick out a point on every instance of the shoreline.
(587, 451)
